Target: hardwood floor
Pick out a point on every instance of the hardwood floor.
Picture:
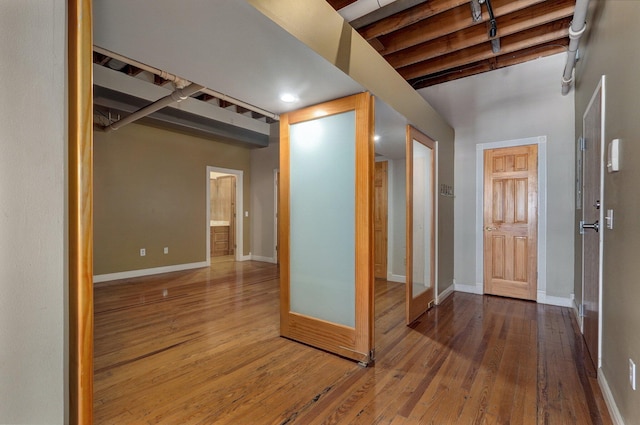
(202, 347)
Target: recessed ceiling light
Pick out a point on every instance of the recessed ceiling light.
(288, 97)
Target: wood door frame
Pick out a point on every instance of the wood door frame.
(541, 141)
(80, 213)
(601, 86)
(239, 232)
(276, 211)
(411, 312)
(356, 343)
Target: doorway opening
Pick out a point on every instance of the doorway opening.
(224, 214)
(541, 268)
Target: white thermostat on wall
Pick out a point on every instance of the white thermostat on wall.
(613, 156)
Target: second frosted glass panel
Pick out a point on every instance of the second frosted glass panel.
(422, 216)
(322, 218)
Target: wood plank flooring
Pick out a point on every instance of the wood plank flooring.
(202, 347)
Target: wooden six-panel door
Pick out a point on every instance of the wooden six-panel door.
(380, 220)
(510, 221)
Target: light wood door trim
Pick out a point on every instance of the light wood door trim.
(355, 343)
(80, 145)
(380, 219)
(511, 222)
(414, 307)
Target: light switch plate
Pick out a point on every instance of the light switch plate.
(613, 156)
(632, 374)
(609, 219)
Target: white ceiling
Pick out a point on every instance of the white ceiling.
(232, 48)
(225, 45)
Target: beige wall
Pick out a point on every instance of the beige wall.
(446, 153)
(150, 192)
(611, 48)
(263, 162)
(33, 236)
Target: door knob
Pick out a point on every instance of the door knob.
(595, 226)
(490, 229)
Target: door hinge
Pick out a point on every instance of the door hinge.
(583, 144)
(581, 310)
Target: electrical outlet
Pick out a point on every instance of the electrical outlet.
(143, 252)
(166, 249)
(632, 374)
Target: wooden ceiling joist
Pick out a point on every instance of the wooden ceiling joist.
(502, 61)
(522, 40)
(454, 20)
(507, 25)
(438, 40)
(408, 17)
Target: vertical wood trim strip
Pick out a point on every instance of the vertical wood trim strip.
(418, 305)
(364, 222)
(408, 263)
(80, 127)
(284, 224)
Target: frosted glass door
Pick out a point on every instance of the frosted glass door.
(326, 180)
(322, 220)
(420, 223)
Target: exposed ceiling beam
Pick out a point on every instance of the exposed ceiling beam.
(408, 17)
(507, 25)
(339, 4)
(445, 23)
(384, 12)
(502, 61)
(522, 40)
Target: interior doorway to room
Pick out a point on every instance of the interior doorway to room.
(511, 221)
(224, 218)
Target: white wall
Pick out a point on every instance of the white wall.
(513, 103)
(263, 162)
(33, 276)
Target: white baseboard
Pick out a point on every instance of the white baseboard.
(147, 272)
(263, 259)
(244, 257)
(543, 298)
(616, 417)
(396, 278)
(470, 289)
(444, 294)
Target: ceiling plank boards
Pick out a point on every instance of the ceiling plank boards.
(408, 17)
(522, 40)
(507, 25)
(537, 52)
(339, 4)
(456, 19)
(438, 41)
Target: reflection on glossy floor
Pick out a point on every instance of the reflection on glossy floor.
(202, 347)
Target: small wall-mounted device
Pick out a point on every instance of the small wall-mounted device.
(613, 156)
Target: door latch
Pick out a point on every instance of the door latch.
(595, 226)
